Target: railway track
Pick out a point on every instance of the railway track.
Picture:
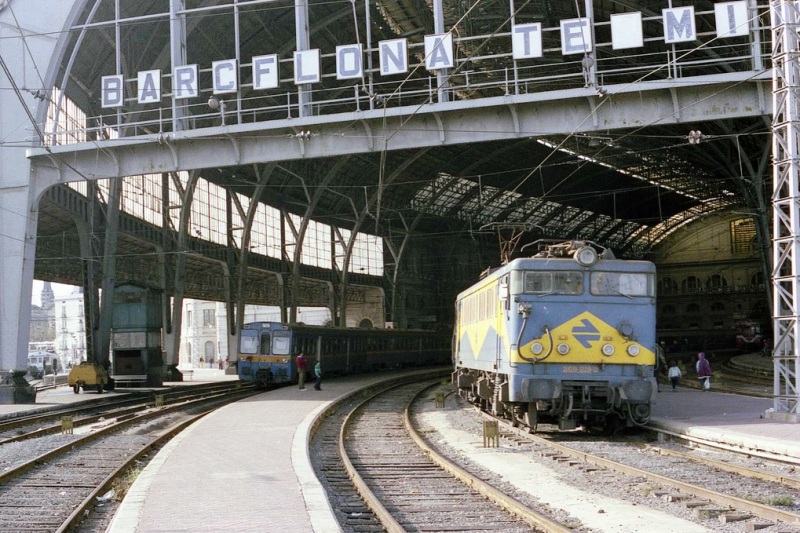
(727, 487)
(401, 484)
(22, 426)
(58, 486)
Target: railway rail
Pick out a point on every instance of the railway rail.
(48, 421)
(401, 483)
(733, 487)
(57, 486)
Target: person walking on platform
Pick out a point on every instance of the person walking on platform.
(703, 371)
(302, 367)
(318, 373)
(674, 375)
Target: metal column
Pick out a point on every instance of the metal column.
(441, 75)
(303, 42)
(177, 43)
(785, 209)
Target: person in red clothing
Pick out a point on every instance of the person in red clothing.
(302, 366)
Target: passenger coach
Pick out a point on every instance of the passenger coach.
(267, 350)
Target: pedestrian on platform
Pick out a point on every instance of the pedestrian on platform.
(318, 373)
(703, 371)
(302, 367)
(674, 375)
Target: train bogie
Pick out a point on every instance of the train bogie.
(565, 338)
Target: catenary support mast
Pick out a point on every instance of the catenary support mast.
(785, 17)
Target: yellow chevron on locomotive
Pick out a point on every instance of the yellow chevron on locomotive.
(586, 336)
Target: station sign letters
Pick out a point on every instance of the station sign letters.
(526, 42)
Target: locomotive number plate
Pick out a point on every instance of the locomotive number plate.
(575, 369)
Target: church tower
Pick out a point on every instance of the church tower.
(48, 298)
(49, 305)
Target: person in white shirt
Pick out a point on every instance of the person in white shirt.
(674, 375)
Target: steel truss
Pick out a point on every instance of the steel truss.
(785, 20)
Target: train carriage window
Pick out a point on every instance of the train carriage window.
(281, 345)
(248, 341)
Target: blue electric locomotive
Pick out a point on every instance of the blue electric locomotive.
(566, 336)
(267, 350)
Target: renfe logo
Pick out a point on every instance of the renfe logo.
(526, 39)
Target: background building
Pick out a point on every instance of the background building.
(70, 327)
(711, 282)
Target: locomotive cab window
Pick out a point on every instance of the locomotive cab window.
(622, 283)
(568, 282)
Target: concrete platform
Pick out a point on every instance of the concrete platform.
(253, 456)
(730, 418)
(62, 395)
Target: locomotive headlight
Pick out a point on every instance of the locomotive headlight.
(563, 349)
(537, 348)
(625, 329)
(586, 256)
(633, 350)
(608, 350)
